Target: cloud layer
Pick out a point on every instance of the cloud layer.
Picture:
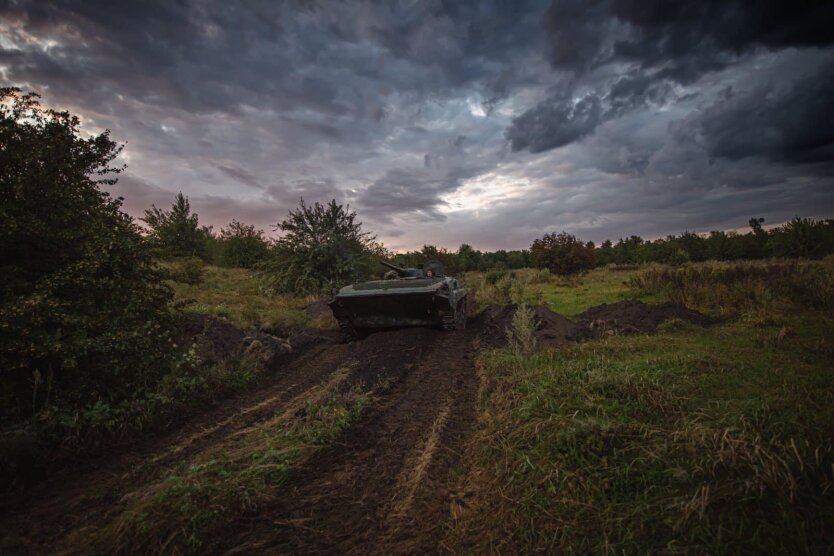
(488, 123)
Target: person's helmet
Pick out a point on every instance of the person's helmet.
(390, 275)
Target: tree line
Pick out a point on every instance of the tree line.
(176, 232)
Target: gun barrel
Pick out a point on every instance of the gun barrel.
(400, 271)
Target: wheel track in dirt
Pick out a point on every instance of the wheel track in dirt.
(385, 486)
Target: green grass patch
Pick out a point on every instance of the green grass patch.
(237, 295)
(568, 296)
(713, 440)
(571, 297)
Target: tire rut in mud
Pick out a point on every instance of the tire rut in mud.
(385, 485)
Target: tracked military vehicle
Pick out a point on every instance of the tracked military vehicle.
(422, 296)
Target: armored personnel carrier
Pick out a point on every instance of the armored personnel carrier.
(422, 296)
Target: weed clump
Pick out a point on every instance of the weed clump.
(521, 335)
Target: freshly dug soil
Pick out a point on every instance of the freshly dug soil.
(635, 317)
(554, 330)
(216, 339)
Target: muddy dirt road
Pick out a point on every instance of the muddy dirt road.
(385, 486)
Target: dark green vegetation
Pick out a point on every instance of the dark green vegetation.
(88, 347)
(800, 237)
(321, 247)
(694, 440)
(84, 314)
(562, 254)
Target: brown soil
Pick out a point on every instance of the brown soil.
(554, 330)
(387, 485)
(635, 317)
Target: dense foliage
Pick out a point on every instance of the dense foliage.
(176, 232)
(322, 246)
(83, 313)
(241, 245)
(466, 258)
(562, 253)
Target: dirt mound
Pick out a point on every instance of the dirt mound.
(552, 329)
(216, 339)
(318, 309)
(635, 317)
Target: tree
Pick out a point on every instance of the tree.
(467, 258)
(176, 232)
(322, 246)
(83, 311)
(562, 254)
(799, 237)
(242, 245)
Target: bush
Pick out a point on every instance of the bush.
(176, 232)
(83, 311)
(562, 254)
(323, 247)
(242, 246)
(521, 335)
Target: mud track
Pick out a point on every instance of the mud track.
(382, 486)
(386, 485)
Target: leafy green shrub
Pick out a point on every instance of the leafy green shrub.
(491, 277)
(242, 246)
(176, 232)
(83, 311)
(323, 246)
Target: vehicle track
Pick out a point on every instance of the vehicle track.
(385, 486)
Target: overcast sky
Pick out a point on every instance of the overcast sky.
(488, 123)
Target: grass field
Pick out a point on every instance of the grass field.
(694, 440)
(237, 295)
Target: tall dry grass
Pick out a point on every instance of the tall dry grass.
(734, 288)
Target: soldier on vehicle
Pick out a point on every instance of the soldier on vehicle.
(429, 273)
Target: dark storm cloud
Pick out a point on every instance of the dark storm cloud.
(630, 53)
(555, 122)
(487, 122)
(684, 38)
(791, 122)
(239, 174)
